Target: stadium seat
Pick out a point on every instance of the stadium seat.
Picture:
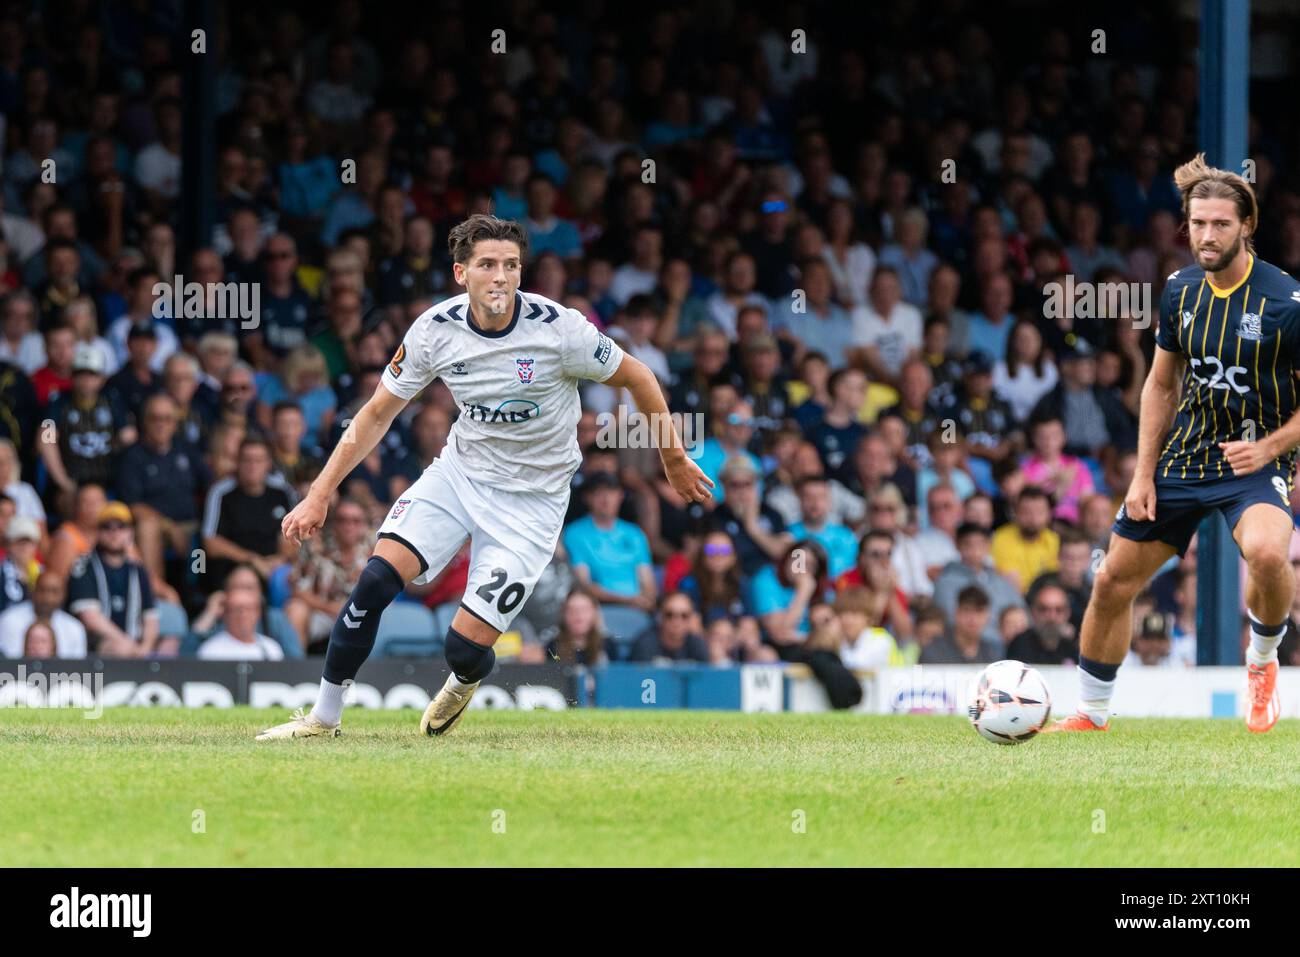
(407, 630)
(172, 620)
(624, 625)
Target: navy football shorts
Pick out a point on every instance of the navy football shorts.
(1181, 504)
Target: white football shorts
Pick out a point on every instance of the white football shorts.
(512, 535)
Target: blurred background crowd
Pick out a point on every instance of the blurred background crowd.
(834, 255)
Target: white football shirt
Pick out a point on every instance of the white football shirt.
(516, 390)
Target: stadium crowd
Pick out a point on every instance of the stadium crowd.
(834, 260)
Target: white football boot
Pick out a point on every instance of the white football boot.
(446, 708)
(301, 725)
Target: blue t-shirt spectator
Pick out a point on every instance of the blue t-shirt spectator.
(711, 459)
(560, 237)
(613, 556)
(839, 541)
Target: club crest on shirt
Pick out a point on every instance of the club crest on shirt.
(400, 507)
(1251, 326)
(525, 369)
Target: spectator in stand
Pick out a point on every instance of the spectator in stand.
(852, 262)
(1027, 546)
(55, 377)
(45, 606)
(1093, 417)
(89, 430)
(195, 406)
(136, 380)
(992, 437)
(609, 555)
(1052, 638)
(286, 306)
(82, 316)
(990, 328)
(161, 479)
(814, 321)
(821, 653)
(325, 572)
(757, 530)
(1066, 478)
(1026, 374)
(887, 512)
(39, 641)
(303, 380)
(782, 592)
(887, 331)
(805, 462)
(20, 343)
(839, 432)
(974, 567)
(966, 642)
(814, 522)
(810, 393)
(242, 515)
(288, 433)
(110, 594)
(867, 646)
(25, 498)
(671, 638)
(874, 572)
(938, 540)
(875, 464)
(579, 637)
(909, 258)
(731, 441)
(75, 536)
(715, 585)
(239, 639)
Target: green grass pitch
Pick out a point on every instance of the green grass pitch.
(178, 787)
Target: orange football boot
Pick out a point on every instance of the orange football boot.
(1076, 722)
(1265, 704)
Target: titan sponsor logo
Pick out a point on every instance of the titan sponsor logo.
(73, 910)
(510, 411)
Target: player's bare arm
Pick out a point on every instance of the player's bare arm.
(369, 425)
(683, 474)
(1159, 404)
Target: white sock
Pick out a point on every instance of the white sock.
(458, 686)
(1094, 697)
(1263, 648)
(329, 704)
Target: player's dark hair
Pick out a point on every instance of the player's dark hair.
(1197, 179)
(480, 227)
(285, 405)
(966, 529)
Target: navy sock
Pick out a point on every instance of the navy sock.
(355, 628)
(1101, 672)
(470, 662)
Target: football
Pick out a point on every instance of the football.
(1009, 702)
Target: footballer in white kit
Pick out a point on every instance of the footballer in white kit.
(512, 362)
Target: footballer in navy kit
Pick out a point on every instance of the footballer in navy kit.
(512, 362)
(1217, 431)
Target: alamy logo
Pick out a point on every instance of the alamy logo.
(1098, 300)
(73, 910)
(214, 300)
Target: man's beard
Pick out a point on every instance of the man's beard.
(1226, 257)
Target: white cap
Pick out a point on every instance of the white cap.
(88, 358)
